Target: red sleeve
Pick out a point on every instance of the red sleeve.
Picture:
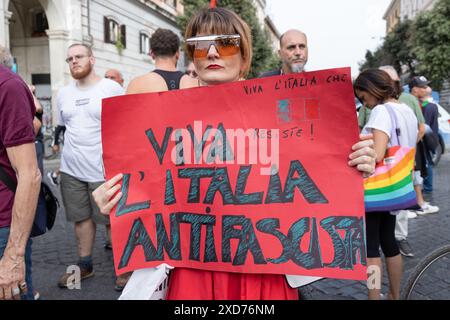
(16, 114)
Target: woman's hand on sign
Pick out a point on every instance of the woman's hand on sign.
(364, 155)
(108, 194)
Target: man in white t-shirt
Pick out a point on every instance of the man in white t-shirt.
(79, 110)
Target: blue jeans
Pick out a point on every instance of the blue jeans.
(40, 155)
(4, 236)
(428, 181)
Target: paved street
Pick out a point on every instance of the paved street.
(56, 249)
(426, 233)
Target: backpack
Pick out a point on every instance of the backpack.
(431, 140)
(46, 209)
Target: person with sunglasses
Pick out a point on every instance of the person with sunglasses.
(219, 43)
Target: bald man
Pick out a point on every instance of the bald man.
(293, 53)
(115, 75)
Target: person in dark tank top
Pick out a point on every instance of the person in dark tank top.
(165, 50)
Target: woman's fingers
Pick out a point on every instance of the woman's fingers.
(113, 181)
(368, 154)
(113, 202)
(363, 137)
(366, 169)
(111, 192)
(363, 144)
(103, 194)
(364, 155)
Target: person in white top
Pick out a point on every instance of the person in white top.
(376, 90)
(79, 110)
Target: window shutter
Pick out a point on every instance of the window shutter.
(123, 33)
(106, 31)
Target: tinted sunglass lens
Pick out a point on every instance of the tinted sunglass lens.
(227, 47)
(200, 49)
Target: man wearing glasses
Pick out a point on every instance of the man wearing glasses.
(79, 110)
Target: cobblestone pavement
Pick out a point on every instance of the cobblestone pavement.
(54, 251)
(426, 233)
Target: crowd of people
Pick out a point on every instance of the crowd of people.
(214, 37)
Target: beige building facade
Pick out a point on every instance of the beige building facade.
(38, 33)
(399, 10)
(267, 24)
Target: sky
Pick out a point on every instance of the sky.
(339, 31)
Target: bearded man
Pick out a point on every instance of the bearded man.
(79, 110)
(293, 53)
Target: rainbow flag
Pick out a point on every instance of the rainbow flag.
(391, 186)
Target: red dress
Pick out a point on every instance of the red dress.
(192, 284)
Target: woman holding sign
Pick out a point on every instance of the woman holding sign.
(219, 43)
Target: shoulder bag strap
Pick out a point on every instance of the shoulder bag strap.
(395, 132)
(7, 180)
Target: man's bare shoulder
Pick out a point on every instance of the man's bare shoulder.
(187, 82)
(150, 82)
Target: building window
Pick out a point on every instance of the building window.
(40, 24)
(144, 43)
(172, 3)
(114, 32)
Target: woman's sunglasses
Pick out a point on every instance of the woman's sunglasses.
(225, 44)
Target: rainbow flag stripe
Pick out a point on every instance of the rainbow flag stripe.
(391, 186)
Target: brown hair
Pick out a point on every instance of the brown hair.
(164, 43)
(221, 21)
(377, 83)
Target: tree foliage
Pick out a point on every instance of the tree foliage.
(264, 58)
(376, 59)
(419, 46)
(431, 43)
(396, 50)
(398, 45)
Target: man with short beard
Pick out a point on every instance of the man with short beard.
(79, 110)
(293, 53)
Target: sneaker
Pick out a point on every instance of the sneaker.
(53, 178)
(405, 248)
(411, 214)
(66, 279)
(37, 295)
(427, 208)
(122, 280)
(384, 296)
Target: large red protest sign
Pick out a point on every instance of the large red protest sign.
(248, 177)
